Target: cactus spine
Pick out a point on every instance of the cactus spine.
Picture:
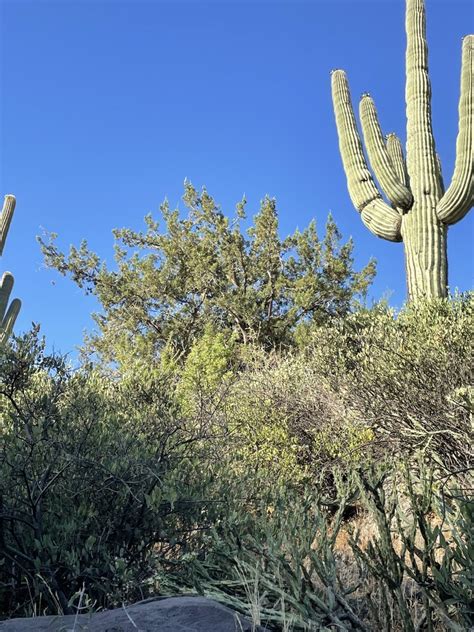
(420, 211)
(8, 314)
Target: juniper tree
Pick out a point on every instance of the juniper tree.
(419, 210)
(203, 269)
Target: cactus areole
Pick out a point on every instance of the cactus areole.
(420, 210)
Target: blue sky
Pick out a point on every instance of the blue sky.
(106, 107)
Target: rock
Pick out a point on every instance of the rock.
(171, 614)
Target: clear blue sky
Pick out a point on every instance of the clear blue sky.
(107, 106)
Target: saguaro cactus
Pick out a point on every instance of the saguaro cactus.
(9, 314)
(420, 211)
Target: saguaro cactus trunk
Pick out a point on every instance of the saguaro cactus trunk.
(9, 314)
(420, 211)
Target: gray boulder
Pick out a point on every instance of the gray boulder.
(171, 614)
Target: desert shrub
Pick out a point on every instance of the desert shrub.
(284, 418)
(200, 472)
(420, 558)
(262, 562)
(285, 564)
(206, 373)
(97, 477)
(371, 384)
(365, 387)
(408, 378)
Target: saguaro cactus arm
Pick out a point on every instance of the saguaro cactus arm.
(393, 187)
(6, 218)
(395, 151)
(421, 154)
(7, 316)
(458, 199)
(379, 218)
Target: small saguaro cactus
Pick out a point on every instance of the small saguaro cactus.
(9, 314)
(420, 210)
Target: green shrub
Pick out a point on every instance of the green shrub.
(201, 474)
(365, 386)
(283, 565)
(285, 419)
(408, 378)
(97, 477)
(206, 373)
